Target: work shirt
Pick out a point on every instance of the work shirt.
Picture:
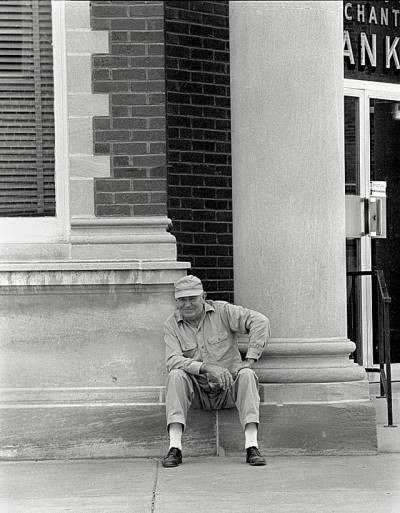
(215, 339)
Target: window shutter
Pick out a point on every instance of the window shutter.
(26, 109)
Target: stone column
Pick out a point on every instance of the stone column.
(289, 220)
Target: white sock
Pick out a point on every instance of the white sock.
(250, 434)
(175, 435)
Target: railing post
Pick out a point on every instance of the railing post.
(383, 330)
(381, 333)
(388, 364)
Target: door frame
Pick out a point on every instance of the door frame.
(364, 91)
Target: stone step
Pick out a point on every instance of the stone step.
(296, 418)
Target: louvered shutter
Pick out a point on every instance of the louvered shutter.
(26, 109)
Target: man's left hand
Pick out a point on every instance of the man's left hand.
(246, 364)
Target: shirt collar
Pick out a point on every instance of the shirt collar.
(207, 308)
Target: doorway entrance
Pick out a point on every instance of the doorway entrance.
(372, 168)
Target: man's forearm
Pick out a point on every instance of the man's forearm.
(206, 368)
(181, 362)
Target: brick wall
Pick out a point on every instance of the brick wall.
(134, 132)
(198, 141)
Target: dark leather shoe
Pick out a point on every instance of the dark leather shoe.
(173, 458)
(254, 457)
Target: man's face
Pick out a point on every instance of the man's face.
(191, 307)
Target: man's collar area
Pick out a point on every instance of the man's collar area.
(208, 307)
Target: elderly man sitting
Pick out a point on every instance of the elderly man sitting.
(205, 367)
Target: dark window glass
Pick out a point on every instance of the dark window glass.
(26, 109)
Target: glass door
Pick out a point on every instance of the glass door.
(353, 162)
(372, 167)
(385, 168)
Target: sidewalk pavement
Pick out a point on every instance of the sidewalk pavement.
(295, 484)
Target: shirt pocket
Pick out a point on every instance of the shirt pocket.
(188, 349)
(218, 346)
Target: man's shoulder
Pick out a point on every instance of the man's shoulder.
(171, 319)
(218, 306)
(215, 303)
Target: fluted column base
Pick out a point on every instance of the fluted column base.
(308, 360)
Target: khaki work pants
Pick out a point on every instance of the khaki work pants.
(184, 390)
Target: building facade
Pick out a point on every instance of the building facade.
(203, 137)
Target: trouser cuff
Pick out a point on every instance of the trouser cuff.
(176, 418)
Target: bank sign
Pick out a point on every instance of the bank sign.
(371, 41)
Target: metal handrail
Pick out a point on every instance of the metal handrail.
(383, 301)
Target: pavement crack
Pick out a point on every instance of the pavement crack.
(153, 498)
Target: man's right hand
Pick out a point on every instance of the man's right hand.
(219, 374)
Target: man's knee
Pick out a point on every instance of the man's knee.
(177, 375)
(179, 388)
(178, 380)
(247, 374)
(246, 380)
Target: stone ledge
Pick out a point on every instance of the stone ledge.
(85, 274)
(11, 398)
(310, 393)
(115, 431)
(270, 394)
(153, 250)
(104, 432)
(306, 429)
(95, 265)
(102, 238)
